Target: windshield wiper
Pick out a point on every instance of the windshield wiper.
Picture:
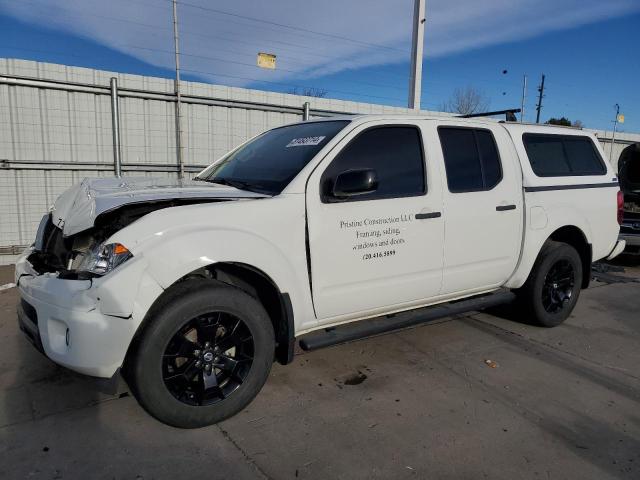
(239, 184)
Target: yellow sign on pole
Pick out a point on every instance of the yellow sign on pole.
(266, 60)
(621, 118)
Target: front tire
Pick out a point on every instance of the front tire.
(203, 355)
(551, 292)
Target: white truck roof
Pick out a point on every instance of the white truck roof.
(512, 126)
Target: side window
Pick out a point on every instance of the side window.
(394, 152)
(562, 155)
(470, 158)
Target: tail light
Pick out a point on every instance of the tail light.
(620, 207)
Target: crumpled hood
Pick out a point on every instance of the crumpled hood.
(77, 208)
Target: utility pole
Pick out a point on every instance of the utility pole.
(417, 43)
(613, 137)
(115, 127)
(540, 95)
(524, 97)
(176, 46)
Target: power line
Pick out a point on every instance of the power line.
(215, 74)
(295, 48)
(373, 45)
(295, 45)
(298, 48)
(205, 57)
(291, 27)
(210, 73)
(252, 65)
(96, 15)
(277, 30)
(225, 39)
(215, 37)
(221, 50)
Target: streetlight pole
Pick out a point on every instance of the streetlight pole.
(417, 43)
(613, 137)
(524, 97)
(176, 45)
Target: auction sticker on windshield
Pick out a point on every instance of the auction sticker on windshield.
(305, 141)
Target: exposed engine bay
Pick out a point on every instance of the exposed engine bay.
(65, 254)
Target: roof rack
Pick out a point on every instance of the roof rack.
(510, 114)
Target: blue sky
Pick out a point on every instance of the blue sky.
(590, 58)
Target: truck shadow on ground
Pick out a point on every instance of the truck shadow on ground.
(626, 260)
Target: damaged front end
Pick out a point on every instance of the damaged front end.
(71, 238)
(81, 317)
(86, 254)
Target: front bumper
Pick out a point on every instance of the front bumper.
(65, 320)
(26, 321)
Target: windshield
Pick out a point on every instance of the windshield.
(270, 161)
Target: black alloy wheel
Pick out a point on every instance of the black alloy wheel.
(202, 354)
(558, 286)
(208, 358)
(552, 289)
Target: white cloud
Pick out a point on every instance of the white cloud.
(213, 43)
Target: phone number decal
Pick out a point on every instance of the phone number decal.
(383, 254)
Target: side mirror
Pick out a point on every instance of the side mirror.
(355, 182)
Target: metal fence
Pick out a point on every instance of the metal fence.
(59, 124)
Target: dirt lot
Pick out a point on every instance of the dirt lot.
(422, 403)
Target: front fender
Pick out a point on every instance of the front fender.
(175, 256)
(176, 253)
(266, 234)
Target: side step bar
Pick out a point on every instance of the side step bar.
(375, 326)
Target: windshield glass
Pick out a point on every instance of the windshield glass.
(269, 162)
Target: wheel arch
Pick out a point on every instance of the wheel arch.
(247, 278)
(257, 283)
(574, 236)
(570, 234)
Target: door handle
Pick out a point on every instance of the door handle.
(502, 208)
(423, 216)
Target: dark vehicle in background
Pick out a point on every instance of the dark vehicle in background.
(629, 175)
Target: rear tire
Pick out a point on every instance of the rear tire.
(550, 293)
(203, 354)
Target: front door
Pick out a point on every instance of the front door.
(382, 250)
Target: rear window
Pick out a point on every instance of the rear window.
(562, 155)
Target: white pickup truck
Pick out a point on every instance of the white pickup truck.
(317, 232)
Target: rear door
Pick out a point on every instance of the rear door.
(380, 251)
(482, 206)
